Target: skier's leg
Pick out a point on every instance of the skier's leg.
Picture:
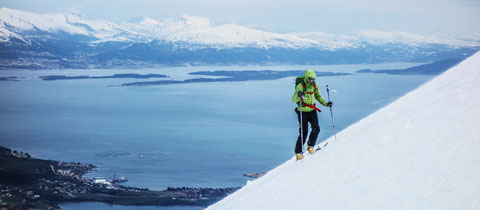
(298, 146)
(313, 119)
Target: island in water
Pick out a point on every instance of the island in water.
(30, 183)
(10, 78)
(235, 76)
(115, 76)
(434, 68)
(254, 175)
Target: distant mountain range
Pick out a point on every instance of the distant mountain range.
(73, 40)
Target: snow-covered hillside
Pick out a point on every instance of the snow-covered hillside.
(420, 152)
(17, 21)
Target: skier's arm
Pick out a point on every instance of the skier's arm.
(295, 98)
(320, 99)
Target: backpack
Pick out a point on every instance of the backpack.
(300, 79)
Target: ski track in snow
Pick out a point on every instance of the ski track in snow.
(420, 152)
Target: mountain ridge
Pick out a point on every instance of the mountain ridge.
(73, 40)
(77, 23)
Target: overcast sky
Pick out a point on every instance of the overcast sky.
(452, 16)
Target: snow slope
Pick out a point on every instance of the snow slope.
(420, 152)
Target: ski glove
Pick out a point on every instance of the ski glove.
(300, 94)
(329, 104)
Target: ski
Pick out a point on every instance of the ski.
(320, 147)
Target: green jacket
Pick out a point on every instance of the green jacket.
(308, 98)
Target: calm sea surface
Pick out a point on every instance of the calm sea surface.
(194, 135)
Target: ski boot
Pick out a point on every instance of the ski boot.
(311, 149)
(299, 156)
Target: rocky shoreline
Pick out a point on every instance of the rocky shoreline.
(30, 183)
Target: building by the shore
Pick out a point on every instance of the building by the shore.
(101, 180)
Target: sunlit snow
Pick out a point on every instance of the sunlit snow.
(420, 152)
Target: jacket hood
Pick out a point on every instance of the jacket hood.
(310, 74)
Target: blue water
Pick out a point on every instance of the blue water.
(104, 206)
(194, 135)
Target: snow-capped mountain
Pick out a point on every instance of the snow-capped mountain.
(356, 39)
(20, 22)
(74, 40)
(201, 31)
(420, 152)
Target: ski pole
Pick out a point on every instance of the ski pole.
(331, 114)
(301, 123)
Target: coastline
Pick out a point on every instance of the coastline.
(27, 182)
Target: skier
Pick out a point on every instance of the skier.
(307, 91)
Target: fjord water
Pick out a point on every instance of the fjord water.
(193, 135)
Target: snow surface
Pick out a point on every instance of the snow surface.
(420, 152)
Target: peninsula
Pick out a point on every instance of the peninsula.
(30, 183)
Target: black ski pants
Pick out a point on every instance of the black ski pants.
(306, 118)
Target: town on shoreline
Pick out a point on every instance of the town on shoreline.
(30, 183)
